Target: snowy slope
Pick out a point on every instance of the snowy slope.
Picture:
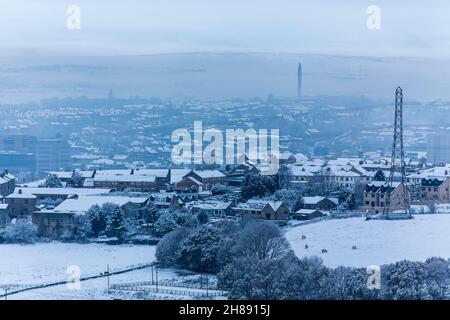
(377, 241)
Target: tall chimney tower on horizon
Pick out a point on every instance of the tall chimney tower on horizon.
(299, 81)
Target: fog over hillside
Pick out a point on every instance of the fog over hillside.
(220, 76)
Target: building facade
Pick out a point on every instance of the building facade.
(435, 191)
(379, 195)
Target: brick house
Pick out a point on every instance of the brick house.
(267, 210)
(320, 203)
(435, 191)
(134, 179)
(53, 223)
(376, 196)
(202, 179)
(21, 204)
(190, 183)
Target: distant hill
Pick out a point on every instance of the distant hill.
(220, 76)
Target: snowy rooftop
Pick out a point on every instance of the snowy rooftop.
(63, 191)
(308, 211)
(204, 174)
(176, 175)
(210, 204)
(435, 172)
(259, 205)
(20, 195)
(83, 203)
(141, 172)
(317, 199)
(125, 178)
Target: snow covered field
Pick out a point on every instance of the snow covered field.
(377, 241)
(47, 262)
(96, 289)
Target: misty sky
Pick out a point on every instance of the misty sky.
(112, 27)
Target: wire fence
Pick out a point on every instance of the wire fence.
(10, 289)
(153, 288)
(169, 283)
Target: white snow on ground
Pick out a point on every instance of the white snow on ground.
(378, 241)
(439, 208)
(96, 289)
(47, 262)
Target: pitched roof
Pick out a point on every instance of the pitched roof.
(432, 182)
(64, 191)
(204, 174)
(317, 199)
(83, 203)
(381, 187)
(210, 204)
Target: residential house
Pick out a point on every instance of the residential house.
(165, 200)
(68, 178)
(320, 203)
(134, 180)
(378, 193)
(53, 223)
(214, 208)
(308, 214)
(435, 191)
(21, 204)
(202, 179)
(261, 209)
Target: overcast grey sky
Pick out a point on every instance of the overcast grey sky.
(111, 27)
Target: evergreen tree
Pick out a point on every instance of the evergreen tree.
(98, 220)
(150, 213)
(116, 225)
(52, 181)
(257, 185)
(379, 176)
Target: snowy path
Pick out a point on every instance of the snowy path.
(377, 241)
